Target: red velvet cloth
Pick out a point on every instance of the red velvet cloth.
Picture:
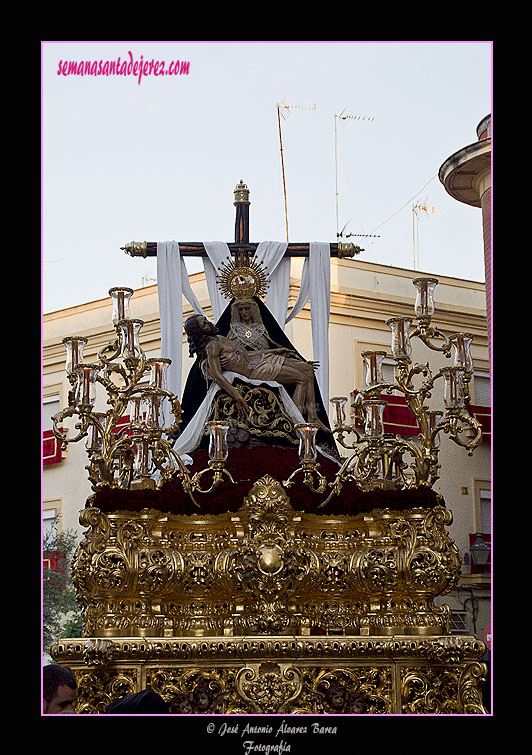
(397, 417)
(399, 420)
(51, 449)
(483, 415)
(247, 465)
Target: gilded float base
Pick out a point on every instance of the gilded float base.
(269, 675)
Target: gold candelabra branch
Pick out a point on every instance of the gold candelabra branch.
(426, 333)
(309, 468)
(128, 449)
(219, 471)
(341, 428)
(218, 453)
(380, 460)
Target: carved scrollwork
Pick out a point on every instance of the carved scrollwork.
(305, 675)
(265, 568)
(470, 684)
(269, 569)
(430, 690)
(269, 688)
(189, 691)
(267, 417)
(98, 687)
(351, 691)
(100, 652)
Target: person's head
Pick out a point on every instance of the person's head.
(198, 330)
(59, 689)
(245, 311)
(146, 702)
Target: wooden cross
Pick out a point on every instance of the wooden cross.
(241, 244)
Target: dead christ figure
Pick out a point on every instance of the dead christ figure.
(265, 364)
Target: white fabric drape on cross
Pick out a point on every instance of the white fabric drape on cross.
(173, 283)
(316, 286)
(271, 254)
(217, 253)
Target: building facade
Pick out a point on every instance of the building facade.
(466, 176)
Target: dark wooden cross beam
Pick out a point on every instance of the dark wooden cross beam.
(241, 243)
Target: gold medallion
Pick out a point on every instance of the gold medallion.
(242, 279)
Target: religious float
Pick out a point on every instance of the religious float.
(244, 554)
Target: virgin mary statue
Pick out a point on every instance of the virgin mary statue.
(251, 324)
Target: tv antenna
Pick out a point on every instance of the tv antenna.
(343, 117)
(343, 235)
(145, 279)
(422, 210)
(284, 110)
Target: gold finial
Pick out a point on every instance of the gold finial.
(241, 193)
(135, 248)
(346, 249)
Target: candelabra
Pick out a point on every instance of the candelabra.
(379, 460)
(126, 445)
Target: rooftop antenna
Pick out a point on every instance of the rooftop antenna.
(364, 235)
(424, 210)
(145, 279)
(284, 111)
(343, 118)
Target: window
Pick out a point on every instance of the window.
(53, 560)
(459, 623)
(480, 406)
(481, 389)
(485, 511)
(49, 522)
(50, 405)
(482, 506)
(388, 370)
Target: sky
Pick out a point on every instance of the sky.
(156, 158)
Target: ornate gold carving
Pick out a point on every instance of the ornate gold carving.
(135, 248)
(100, 652)
(265, 569)
(229, 602)
(443, 690)
(192, 690)
(242, 278)
(318, 675)
(470, 688)
(347, 249)
(267, 416)
(241, 193)
(269, 688)
(429, 690)
(439, 651)
(349, 691)
(99, 687)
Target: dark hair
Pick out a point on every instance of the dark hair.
(55, 676)
(197, 339)
(147, 701)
